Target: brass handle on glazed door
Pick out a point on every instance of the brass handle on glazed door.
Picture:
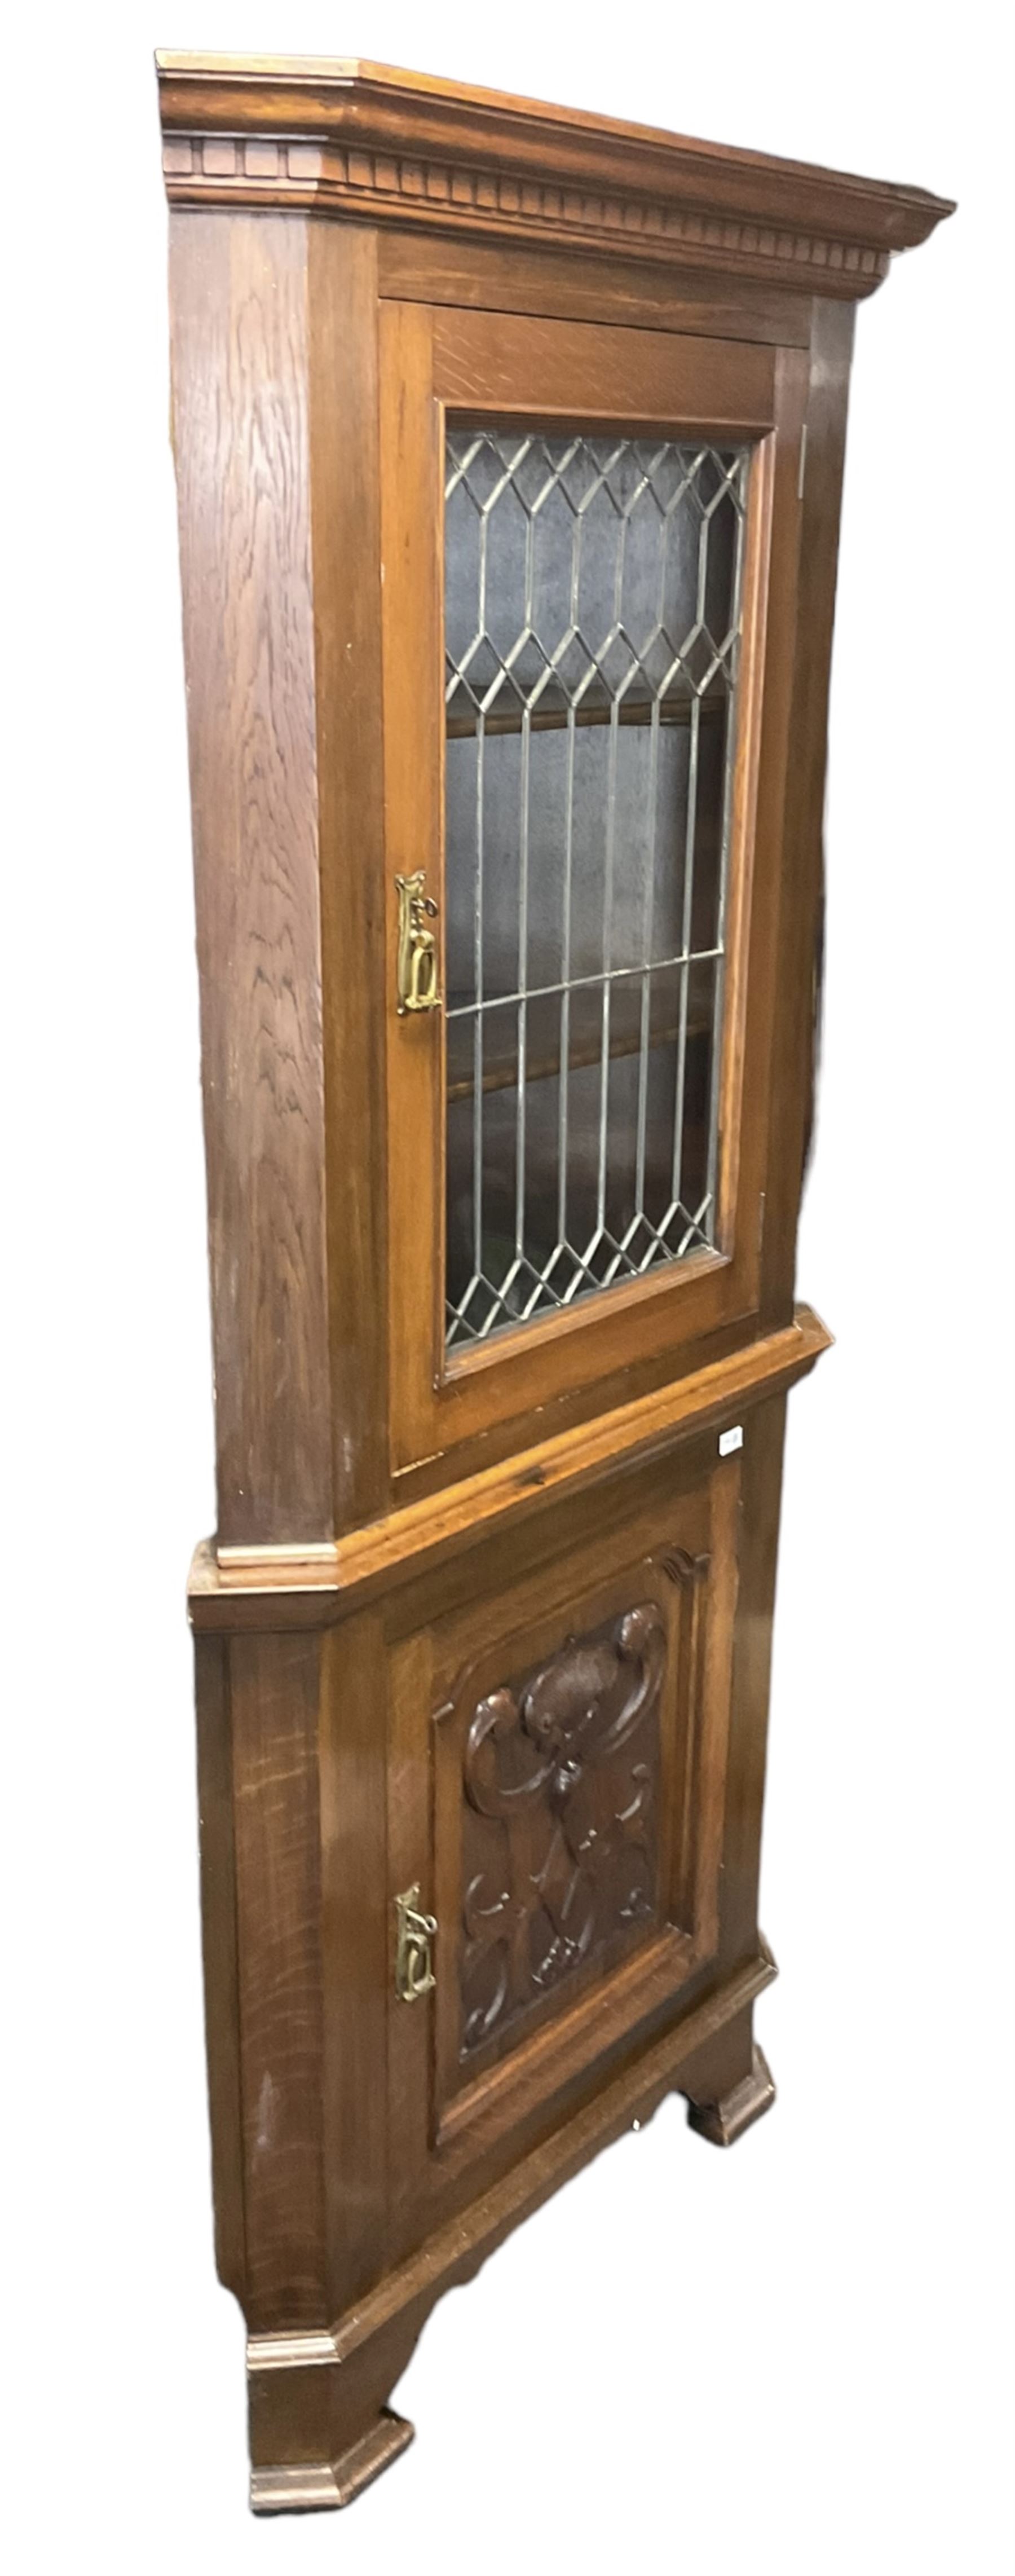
(416, 976)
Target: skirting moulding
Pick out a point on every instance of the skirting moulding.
(509, 448)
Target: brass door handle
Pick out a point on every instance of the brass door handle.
(416, 977)
(414, 1975)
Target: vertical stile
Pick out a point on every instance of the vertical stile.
(738, 486)
(685, 954)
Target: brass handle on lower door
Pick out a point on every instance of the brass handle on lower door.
(414, 1975)
(416, 977)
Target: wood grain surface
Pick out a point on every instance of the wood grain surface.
(345, 534)
(398, 147)
(801, 923)
(500, 278)
(409, 1544)
(240, 436)
(275, 1685)
(413, 1553)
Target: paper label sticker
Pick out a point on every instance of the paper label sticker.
(730, 1440)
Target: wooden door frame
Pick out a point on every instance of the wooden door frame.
(678, 1540)
(436, 362)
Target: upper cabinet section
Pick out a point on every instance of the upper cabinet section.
(392, 147)
(509, 447)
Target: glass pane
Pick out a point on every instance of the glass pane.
(592, 631)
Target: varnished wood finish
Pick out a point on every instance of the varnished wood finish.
(487, 278)
(536, 368)
(274, 1689)
(757, 1548)
(524, 1615)
(724, 2121)
(498, 1631)
(545, 369)
(395, 147)
(414, 1542)
(215, 1789)
(306, 2385)
(560, 1811)
(802, 902)
(307, 2489)
(342, 435)
(239, 372)
(355, 1936)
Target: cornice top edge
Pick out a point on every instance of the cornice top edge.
(372, 105)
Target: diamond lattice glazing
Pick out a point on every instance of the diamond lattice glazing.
(592, 628)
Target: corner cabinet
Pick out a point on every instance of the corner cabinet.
(509, 447)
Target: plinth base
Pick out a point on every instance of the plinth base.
(320, 2486)
(723, 2122)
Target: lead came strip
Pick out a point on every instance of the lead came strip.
(593, 615)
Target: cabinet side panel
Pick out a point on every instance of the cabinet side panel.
(218, 1943)
(240, 434)
(346, 541)
(760, 1495)
(356, 1949)
(713, 1787)
(801, 909)
(275, 1688)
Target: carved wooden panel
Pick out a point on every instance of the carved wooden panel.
(560, 1836)
(553, 1735)
(216, 169)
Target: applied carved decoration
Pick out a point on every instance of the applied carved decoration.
(447, 196)
(560, 1778)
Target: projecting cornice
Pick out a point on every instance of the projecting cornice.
(354, 139)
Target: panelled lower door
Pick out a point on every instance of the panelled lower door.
(556, 1771)
(589, 565)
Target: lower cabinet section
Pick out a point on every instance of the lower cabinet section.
(479, 1865)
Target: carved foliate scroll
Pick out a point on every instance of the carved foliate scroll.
(560, 1843)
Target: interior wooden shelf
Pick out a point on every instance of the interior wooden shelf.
(500, 1071)
(629, 711)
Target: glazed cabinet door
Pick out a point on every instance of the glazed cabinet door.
(589, 540)
(556, 1775)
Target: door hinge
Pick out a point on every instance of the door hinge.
(802, 469)
(414, 1974)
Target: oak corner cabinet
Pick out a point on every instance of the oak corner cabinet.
(509, 447)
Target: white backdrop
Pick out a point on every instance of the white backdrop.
(794, 2356)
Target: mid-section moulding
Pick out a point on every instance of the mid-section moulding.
(250, 1586)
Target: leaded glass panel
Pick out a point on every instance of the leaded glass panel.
(592, 631)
